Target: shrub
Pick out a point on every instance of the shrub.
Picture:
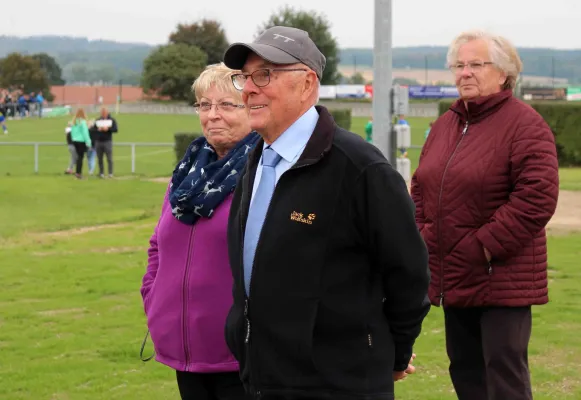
(182, 141)
(342, 117)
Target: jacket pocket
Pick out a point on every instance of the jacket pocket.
(234, 333)
(468, 252)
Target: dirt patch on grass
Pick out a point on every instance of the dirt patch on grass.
(60, 311)
(160, 180)
(84, 229)
(567, 218)
(109, 250)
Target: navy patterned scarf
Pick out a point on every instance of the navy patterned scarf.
(201, 182)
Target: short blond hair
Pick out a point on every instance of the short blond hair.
(219, 76)
(502, 53)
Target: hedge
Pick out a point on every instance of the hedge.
(342, 117)
(564, 119)
(182, 141)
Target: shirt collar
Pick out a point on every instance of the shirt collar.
(295, 138)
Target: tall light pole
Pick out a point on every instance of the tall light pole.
(382, 79)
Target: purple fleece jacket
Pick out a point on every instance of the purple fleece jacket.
(187, 292)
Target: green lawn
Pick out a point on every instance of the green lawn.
(152, 161)
(72, 254)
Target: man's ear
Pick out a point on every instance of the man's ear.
(310, 84)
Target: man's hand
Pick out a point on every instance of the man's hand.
(399, 375)
(487, 254)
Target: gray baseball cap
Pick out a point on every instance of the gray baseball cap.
(278, 45)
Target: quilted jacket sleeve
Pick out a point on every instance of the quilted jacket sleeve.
(418, 199)
(533, 200)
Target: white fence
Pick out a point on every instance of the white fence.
(37, 146)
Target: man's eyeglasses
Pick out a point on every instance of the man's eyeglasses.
(474, 66)
(224, 106)
(260, 77)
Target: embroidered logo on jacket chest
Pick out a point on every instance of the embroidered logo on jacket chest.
(299, 217)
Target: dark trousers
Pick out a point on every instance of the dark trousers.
(488, 352)
(217, 386)
(81, 149)
(105, 148)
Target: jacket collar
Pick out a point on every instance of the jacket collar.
(318, 145)
(481, 107)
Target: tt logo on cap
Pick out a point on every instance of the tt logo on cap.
(286, 39)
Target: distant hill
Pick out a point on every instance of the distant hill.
(82, 59)
(92, 60)
(537, 61)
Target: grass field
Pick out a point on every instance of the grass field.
(150, 161)
(72, 255)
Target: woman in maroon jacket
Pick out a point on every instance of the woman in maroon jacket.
(486, 186)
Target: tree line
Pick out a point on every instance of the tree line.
(170, 69)
(167, 70)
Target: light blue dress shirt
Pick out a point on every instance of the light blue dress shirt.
(290, 145)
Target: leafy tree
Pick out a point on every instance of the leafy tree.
(208, 35)
(319, 30)
(171, 69)
(51, 68)
(24, 72)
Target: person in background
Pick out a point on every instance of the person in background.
(369, 130)
(81, 139)
(401, 120)
(187, 289)
(39, 103)
(3, 123)
(106, 126)
(22, 105)
(427, 133)
(92, 152)
(72, 151)
(485, 188)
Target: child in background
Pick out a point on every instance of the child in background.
(3, 123)
(92, 153)
(72, 150)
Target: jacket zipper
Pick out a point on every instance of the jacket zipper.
(185, 300)
(246, 297)
(440, 214)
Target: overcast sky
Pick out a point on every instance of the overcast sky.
(415, 22)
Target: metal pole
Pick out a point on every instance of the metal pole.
(382, 79)
(132, 158)
(36, 158)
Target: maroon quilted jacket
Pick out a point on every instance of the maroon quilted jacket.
(488, 177)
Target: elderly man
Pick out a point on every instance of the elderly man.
(330, 271)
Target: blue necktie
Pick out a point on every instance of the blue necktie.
(258, 210)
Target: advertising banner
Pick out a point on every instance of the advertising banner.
(574, 93)
(433, 92)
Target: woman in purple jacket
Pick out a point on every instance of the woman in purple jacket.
(187, 289)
